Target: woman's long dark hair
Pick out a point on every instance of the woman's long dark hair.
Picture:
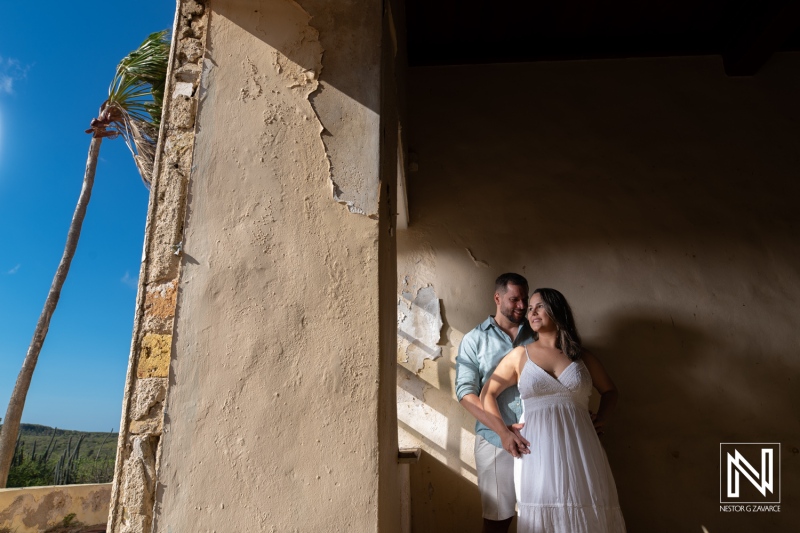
(559, 311)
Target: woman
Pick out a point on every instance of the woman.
(563, 480)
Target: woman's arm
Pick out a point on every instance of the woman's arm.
(608, 391)
(505, 375)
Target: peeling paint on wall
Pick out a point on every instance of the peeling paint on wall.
(345, 106)
(419, 325)
(478, 262)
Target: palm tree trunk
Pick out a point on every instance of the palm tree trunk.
(10, 429)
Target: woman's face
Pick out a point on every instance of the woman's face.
(537, 316)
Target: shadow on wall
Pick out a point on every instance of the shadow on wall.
(317, 18)
(441, 499)
(444, 492)
(677, 404)
(442, 435)
(658, 196)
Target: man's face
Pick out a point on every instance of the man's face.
(513, 303)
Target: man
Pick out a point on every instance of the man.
(478, 355)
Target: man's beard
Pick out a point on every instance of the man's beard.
(509, 314)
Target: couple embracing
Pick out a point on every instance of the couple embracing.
(524, 376)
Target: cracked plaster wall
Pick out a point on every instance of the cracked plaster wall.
(273, 402)
(658, 195)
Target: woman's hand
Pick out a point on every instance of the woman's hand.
(505, 375)
(513, 442)
(608, 391)
(599, 423)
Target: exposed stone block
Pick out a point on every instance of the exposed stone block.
(147, 409)
(154, 356)
(149, 426)
(189, 73)
(183, 88)
(149, 392)
(160, 300)
(191, 49)
(183, 113)
(163, 261)
(199, 26)
(139, 486)
(191, 7)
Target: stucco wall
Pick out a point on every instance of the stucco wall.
(34, 509)
(660, 197)
(273, 418)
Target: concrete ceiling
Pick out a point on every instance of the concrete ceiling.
(744, 32)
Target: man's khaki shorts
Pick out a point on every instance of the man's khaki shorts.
(495, 480)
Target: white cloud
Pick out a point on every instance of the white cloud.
(130, 281)
(11, 71)
(14, 270)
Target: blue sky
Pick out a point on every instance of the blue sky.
(56, 61)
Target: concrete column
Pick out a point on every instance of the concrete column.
(280, 410)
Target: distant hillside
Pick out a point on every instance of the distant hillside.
(93, 461)
(35, 433)
(38, 430)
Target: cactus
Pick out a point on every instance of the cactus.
(43, 459)
(66, 471)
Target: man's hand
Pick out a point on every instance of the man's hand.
(513, 441)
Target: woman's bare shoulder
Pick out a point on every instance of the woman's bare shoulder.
(517, 353)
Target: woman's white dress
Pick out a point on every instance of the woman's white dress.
(565, 484)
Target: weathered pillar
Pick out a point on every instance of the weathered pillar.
(280, 407)
(133, 494)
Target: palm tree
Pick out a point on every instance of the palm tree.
(132, 111)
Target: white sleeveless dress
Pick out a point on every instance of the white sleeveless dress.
(565, 484)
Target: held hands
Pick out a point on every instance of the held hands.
(513, 441)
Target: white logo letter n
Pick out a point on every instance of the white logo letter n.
(737, 464)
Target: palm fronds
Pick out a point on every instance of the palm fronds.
(135, 100)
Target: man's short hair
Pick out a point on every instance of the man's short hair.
(502, 282)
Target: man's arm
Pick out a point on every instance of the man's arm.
(468, 384)
(468, 377)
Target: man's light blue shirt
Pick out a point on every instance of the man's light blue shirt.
(479, 354)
